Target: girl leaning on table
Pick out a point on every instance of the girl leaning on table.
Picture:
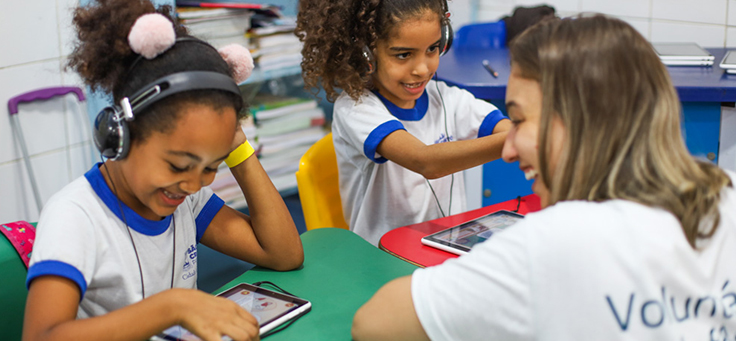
(116, 250)
(637, 237)
(399, 135)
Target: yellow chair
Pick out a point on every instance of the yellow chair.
(319, 189)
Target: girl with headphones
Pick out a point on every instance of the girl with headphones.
(116, 250)
(399, 135)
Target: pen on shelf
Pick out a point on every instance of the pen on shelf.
(490, 69)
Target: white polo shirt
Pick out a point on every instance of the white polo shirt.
(379, 195)
(81, 235)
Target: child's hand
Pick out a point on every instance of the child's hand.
(211, 317)
(239, 138)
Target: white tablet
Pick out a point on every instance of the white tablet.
(461, 238)
(270, 308)
(728, 61)
(681, 51)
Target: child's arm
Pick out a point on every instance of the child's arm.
(51, 311)
(389, 315)
(268, 237)
(441, 159)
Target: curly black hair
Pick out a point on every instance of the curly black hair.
(105, 61)
(334, 33)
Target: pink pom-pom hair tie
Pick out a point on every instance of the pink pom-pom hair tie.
(239, 59)
(151, 35)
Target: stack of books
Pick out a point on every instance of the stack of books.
(683, 54)
(217, 26)
(274, 44)
(281, 129)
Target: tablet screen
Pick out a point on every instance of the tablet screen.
(464, 236)
(270, 309)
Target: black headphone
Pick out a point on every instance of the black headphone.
(446, 38)
(111, 134)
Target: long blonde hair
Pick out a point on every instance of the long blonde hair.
(621, 114)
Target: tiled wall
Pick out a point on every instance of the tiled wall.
(35, 36)
(710, 23)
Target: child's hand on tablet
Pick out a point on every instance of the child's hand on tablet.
(211, 317)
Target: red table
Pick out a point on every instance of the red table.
(405, 242)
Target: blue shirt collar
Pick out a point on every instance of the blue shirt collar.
(132, 219)
(414, 114)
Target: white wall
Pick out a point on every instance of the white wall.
(710, 23)
(36, 38)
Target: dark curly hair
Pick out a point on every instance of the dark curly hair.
(105, 61)
(334, 33)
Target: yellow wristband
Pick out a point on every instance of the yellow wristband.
(240, 154)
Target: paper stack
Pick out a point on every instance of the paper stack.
(217, 26)
(273, 43)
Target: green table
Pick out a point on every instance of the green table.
(341, 271)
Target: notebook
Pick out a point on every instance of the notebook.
(683, 54)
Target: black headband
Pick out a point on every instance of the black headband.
(173, 84)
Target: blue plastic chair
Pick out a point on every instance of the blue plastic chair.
(481, 35)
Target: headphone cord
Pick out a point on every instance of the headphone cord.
(447, 137)
(135, 249)
(286, 325)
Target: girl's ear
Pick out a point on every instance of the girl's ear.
(239, 59)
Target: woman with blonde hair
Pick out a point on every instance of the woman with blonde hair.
(637, 239)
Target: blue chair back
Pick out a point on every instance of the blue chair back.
(481, 35)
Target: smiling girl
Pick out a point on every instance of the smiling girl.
(116, 251)
(399, 135)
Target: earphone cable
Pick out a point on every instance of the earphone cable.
(447, 136)
(127, 228)
(435, 198)
(135, 249)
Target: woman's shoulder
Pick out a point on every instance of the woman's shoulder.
(599, 220)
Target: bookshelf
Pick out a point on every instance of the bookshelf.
(260, 76)
(280, 135)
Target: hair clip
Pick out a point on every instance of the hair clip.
(151, 35)
(239, 59)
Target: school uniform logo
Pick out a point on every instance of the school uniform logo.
(190, 263)
(443, 138)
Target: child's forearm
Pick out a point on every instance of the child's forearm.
(441, 159)
(269, 217)
(138, 321)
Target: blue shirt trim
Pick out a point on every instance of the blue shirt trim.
(489, 123)
(213, 205)
(376, 136)
(132, 219)
(414, 114)
(57, 268)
